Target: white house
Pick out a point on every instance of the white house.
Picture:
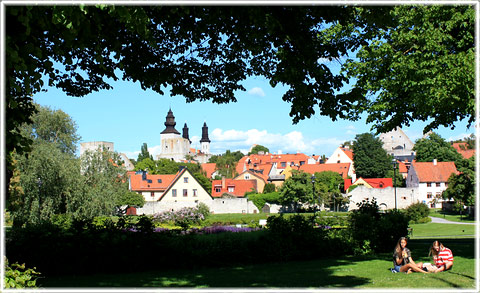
(431, 179)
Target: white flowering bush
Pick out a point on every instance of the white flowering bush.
(184, 217)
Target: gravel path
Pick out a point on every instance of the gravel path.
(443, 221)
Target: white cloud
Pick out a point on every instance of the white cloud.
(256, 91)
(350, 129)
(460, 136)
(239, 140)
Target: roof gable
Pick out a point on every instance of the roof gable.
(340, 168)
(239, 187)
(429, 172)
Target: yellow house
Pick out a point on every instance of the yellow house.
(249, 175)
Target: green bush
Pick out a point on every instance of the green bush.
(417, 211)
(378, 231)
(269, 188)
(424, 220)
(18, 276)
(260, 199)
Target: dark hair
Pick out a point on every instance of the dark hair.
(433, 251)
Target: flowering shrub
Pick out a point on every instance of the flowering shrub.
(184, 217)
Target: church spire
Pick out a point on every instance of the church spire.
(205, 133)
(185, 132)
(170, 123)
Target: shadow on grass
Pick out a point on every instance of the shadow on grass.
(309, 274)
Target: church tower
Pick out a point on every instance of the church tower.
(205, 142)
(173, 145)
(185, 132)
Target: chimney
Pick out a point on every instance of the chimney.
(223, 182)
(144, 175)
(434, 162)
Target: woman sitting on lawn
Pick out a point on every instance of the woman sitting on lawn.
(442, 257)
(402, 259)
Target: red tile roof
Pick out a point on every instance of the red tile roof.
(240, 187)
(466, 153)
(209, 168)
(340, 168)
(270, 159)
(428, 172)
(348, 152)
(137, 184)
(402, 168)
(379, 182)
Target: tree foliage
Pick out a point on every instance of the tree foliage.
(369, 158)
(227, 163)
(419, 67)
(461, 187)
(297, 190)
(414, 62)
(144, 154)
(258, 148)
(435, 147)
(328, 186)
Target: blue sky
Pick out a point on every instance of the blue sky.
(129, 116)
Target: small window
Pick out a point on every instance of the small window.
(185, 179)
(149, 181)
(218, 189)
(437, 184)
(429, 195)
(195, 193)
(429, 184)
(231, 188)
(338, 162)
(247, 176)
(404, 197)
(283, 164)
(152, 194)
(185, 193)
(174, 193)
(432, 205)
(302, 163)
(159, 180)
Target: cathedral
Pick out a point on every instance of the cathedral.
(178, 147)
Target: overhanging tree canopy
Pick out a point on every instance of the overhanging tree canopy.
(416, 58)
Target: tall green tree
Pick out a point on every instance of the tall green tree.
(144, 154)
(370, 160)
(227, 163)
(258, 148)
(461, 187)
(328, 188)
(297, 190)
(435, 147)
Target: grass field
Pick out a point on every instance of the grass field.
(433, 230)
(346, 272)
(451, 217)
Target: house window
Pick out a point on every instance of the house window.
(185, 179)
(429, 195)
(283, 164)
(195, 193)
(429, 184)
(338, 162)
(404, 197)
(432, 205)
(438, 195)
(247, 176)
(302, 163)
(437, 184)
(152, 194)
(218, 188)
(185, 192)
(231, 188)
(174, 193)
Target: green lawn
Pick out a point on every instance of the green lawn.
(451, 216)
(345, 272)
(432, 230)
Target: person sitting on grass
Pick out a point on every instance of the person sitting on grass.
(442, 257)
(402, 259)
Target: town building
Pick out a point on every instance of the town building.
(233, 188)
(109, 146)
(397, 144)
(176, 147)
(431, 179)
